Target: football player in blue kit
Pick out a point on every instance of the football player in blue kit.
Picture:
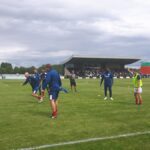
(53, 83)
(34, 82)
(42, 81)
(107, 77)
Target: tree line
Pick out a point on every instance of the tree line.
(7, 68)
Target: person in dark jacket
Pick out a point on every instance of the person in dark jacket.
(72, 81)
(107, 77)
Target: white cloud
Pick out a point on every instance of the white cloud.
(38, 30)
(11, 49)
(60, 53)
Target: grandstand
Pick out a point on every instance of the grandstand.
(93, 66)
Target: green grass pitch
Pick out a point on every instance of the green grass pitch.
(25, 123)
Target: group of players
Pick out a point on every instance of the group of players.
(50, 79)
(107, 77)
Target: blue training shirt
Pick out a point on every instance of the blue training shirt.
(107, 77)
(43, 76)
(37, 77)
(52, 80)
(32, 80)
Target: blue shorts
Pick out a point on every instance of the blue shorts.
(53, 95)
(35, 89)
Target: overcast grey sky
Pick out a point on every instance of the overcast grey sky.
(35, 32)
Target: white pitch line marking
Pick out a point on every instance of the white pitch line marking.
(87, 140)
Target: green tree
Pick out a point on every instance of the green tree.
(59, 68)
(6, 67)
(16, 70)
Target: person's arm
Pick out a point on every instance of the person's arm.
(26, 81)
(45, 83)
(131, 73)
(112, 78)
(138, 78)
(102, 79)
(60, 83)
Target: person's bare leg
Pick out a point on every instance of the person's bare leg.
(54, 108)
(75, 89)
(136, 99)
(140, 98)
(36, 95)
